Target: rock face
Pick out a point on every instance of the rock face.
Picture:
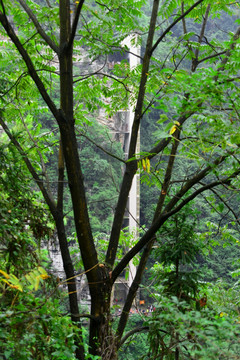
(56, 260)
(118, 126)
(58, 270)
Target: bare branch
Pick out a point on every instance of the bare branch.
(14, 84)
(133, 332)
(81, 316)
(100, 147)
(98, 72)
(88, 75)
(193, 181)
(204, 23)
(106, 7)
(183, 19)
(212, 56)
(226, 204)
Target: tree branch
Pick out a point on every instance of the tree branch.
(204, 23)
(39, 28)
(169, 211)
(48, 198)
(226, 204)
(174, 23)
(193, 181)
(212, 56)
(75, 23)
(164, 142)
(228, 52)
(147, 250)
(101, 148)
(132, 332)
(183, 19)
(131, 166)
(98, 72)
(32, 71)
(60, 188)
(88, 316)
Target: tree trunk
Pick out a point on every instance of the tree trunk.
(102, 340)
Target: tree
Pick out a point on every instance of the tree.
(195, 87)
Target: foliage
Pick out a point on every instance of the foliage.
(206, 334)
(32, 326)
(187, 83)
(102, 173)
(23, 218)
(137, 344)
(192, 319)
(31, 320)
(176, 256)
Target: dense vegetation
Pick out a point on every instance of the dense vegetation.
(63, 176)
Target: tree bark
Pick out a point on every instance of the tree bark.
(98, 278)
